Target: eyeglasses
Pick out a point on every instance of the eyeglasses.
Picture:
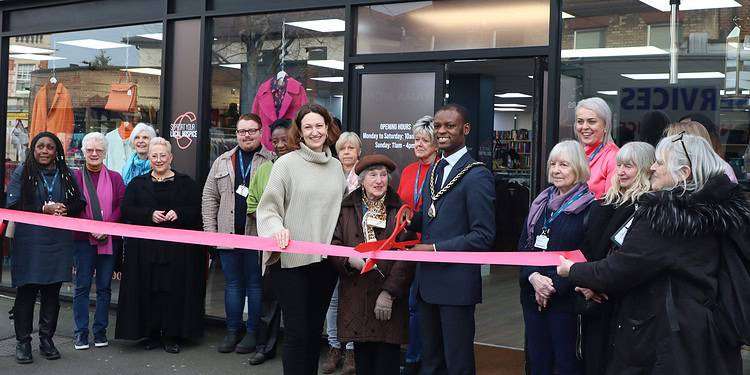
(93, 151)
(247, 131)
(679, 138)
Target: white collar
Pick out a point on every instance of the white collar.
(456, 156)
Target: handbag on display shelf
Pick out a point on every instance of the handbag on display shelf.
(123, 96)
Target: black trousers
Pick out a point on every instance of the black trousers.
(447, 339)
(377, 358)
(267, 332)
(23, 310)
(304, 293)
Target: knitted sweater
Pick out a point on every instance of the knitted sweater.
(303, 194)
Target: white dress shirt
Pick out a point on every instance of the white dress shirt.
(452, 160)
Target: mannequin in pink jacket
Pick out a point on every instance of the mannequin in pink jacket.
(291, 96)
(593, 128)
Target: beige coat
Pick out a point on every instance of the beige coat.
(218, 193)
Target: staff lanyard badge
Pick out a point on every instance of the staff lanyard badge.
(542, 240)
(243, 190)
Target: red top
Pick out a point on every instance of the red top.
(407, 186)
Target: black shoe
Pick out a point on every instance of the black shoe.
(412, 368)
(23, 353)
(258, 358)
(81, 341)
(171, 346)
(47, 348)
(151, 343)
(247, 345)
(100, 340)
(229, 343)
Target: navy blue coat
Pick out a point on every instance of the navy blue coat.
(567, 232)
(40, 255)
(465, 221)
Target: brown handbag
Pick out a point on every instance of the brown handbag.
(123, 97)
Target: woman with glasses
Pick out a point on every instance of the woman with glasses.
(697, 129)
(163, 289)
(95, 253)
(42, 257)
(593, 128)
(607, 217)
(224, 208)
(666, 274)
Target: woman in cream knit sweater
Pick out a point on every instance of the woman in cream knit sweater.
(302, 202)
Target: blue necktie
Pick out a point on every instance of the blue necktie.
(439, 174)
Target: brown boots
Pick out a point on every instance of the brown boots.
(336, 358)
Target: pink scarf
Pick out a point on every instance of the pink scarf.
(105, 194)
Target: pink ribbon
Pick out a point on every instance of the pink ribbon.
(547, 258)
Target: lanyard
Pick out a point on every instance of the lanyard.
(417, 188)
(243, 171)
(596, 152)
(548, 221)
(50, 186)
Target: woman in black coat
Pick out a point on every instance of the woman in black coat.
(607, 217)
(42, 258)
(666, 271)
(164, 283)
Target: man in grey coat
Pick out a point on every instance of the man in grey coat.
(224, 210)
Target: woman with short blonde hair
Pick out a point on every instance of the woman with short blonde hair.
(593, 128)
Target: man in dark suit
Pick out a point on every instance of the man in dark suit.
(457, 214)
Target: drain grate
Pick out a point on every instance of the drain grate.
(8, 345)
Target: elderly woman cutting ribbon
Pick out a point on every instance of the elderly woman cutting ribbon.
(374, 306)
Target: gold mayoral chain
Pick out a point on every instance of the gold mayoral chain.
(431, 212)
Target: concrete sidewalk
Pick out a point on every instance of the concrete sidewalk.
(122, 357)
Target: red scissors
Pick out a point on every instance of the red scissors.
(388, 243)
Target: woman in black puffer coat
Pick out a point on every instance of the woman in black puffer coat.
(665, 274)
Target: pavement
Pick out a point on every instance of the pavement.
(122, 357)
(127, 357)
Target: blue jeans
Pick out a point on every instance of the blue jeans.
(332, 317)
(414, 349)
(242, 276)
(88, 265)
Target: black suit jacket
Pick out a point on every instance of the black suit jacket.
(465, 221)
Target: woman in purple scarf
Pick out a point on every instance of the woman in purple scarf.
(104, 190)
(556, 221)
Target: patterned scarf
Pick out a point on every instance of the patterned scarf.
(374, 210)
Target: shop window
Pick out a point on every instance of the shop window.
(71, 75)
(630, 70)
(251, 52)
(589, 39)
(451, 25)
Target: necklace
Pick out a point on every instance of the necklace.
(161, 178)
(432, 212)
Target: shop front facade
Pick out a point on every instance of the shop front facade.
(192, 67)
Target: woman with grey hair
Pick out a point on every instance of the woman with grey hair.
(95, 254)
(349, 149)
(374, 309)
(410, 191)
(667, 272)
(556, 221)
(608, 215)
(138, 163)
(593, 128)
